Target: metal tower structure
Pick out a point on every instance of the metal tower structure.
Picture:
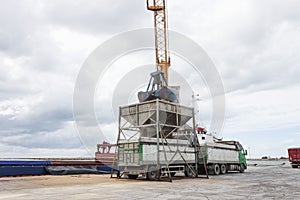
(161, 35)
(157, 136)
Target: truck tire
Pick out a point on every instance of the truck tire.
(242, 168)
(223, 169)
(216, 168)
(132, 176)
(189, 172)
(153, 174)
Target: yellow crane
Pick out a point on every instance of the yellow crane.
(161, 37)
(158, 84)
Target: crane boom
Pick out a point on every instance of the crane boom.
(161, 38)
(158, 84)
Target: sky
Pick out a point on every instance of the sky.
(254, 45)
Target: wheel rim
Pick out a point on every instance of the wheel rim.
(242, 168)
(152, 174)
(217, 169)
(223, 169)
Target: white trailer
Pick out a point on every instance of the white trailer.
(140, 157)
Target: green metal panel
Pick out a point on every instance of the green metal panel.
(131, 149)
(141, 152)
(242, 158)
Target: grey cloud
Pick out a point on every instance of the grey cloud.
(258, 50)
(25, 36)
(45, 139)
(97, 16)
(18, 21)
(255, 50)
(47, 120)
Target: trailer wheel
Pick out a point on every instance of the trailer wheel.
(189, 172)
(216, 168)
(153, 174)
(242, 168)
(223, 169)
(132, 176)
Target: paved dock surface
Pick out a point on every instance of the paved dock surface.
(267, 182)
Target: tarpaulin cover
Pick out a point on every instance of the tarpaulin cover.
(63, 170)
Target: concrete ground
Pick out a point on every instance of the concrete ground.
(269, 182)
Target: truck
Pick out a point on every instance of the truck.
(158, 138)
(140, 158)
(221, 156)
(294, 157)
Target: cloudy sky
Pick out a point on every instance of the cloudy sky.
(254, 44)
